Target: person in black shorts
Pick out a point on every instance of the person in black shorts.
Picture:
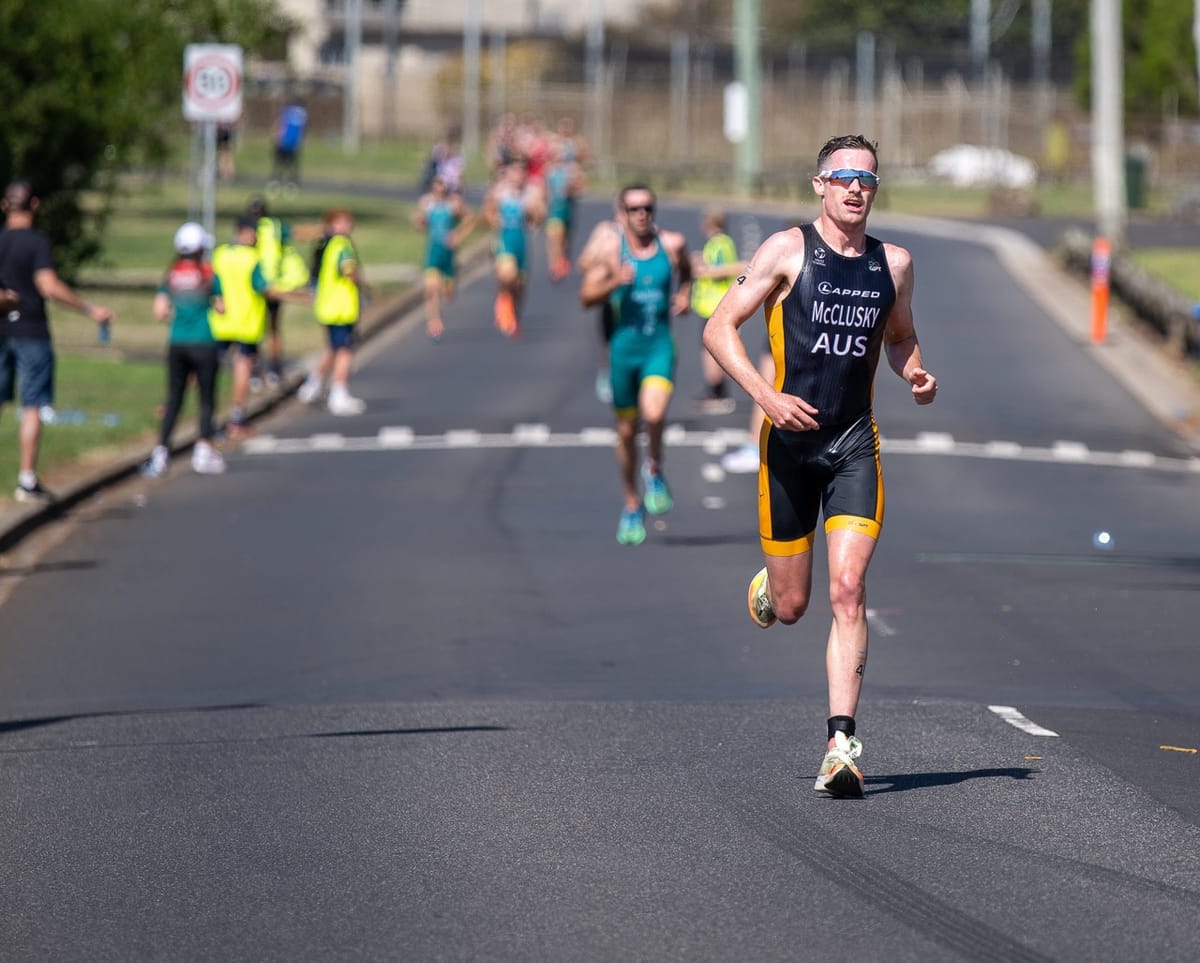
(835, 299)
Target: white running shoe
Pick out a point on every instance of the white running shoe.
(344, 404)
(206, 460)
(310, 391)
(741, 461)
(156, 466)
(838, 775)
(758, 599)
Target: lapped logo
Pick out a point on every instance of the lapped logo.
(829, 289)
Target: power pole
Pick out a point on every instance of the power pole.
(593, 72)
(1108, 122)
(472, 42)
(1196, 39)
(748, 71)
(1041, 60)
(353, 44)
(981, 39)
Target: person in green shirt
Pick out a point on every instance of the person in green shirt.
(188, 291)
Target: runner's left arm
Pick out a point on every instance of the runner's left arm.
(900, 335)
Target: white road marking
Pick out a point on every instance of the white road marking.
(879, 624)
(1070, 451)
(711, 472)
(1002, 449)
(1014, 718)
(531, 434)
(927, 444)
(935, 441)
(401, 437)
(466, 438)
(714, 502)
(329, 441)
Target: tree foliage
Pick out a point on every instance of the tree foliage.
(90, 87)
(1160, 56)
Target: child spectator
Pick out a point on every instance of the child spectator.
(337, 302)
(187, 292)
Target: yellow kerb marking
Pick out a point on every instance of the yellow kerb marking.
(1179, 749)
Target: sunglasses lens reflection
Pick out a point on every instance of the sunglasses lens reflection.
(867, 180)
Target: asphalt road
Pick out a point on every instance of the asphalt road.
(389, 689)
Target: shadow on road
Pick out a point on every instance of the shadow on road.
(928, 780)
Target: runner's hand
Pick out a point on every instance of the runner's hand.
(924, 386)
(790, 413)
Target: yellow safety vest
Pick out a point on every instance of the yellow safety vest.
(336, 300)
(245, 317)
(707, 292)
(293, 271)
(270, 247)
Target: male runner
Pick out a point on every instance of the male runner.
(446, 221)
(564, 184)
(591, 250)
(635, 270)
(513, 205)
(835, 297)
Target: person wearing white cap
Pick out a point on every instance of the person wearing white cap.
(184, 297)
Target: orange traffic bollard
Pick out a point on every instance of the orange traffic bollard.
(1101, 268)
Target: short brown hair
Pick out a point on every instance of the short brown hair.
(846, 142)
(19, 196)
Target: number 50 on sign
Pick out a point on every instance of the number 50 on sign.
(212, 82)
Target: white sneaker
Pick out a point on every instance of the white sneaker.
(344, 404)
(206, 460)
(310, 391)
(156, 466)
(839, 776)
(741, 461)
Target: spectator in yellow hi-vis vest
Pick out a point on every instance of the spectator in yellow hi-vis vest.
(269, 242)
(336, 303)
(241, 326)
(713, 271)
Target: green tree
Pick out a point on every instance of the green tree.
(1159, 57)
(91, 87)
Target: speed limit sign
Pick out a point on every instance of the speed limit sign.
(212, 82)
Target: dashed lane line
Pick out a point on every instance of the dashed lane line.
(1015, 718)
(403, 438)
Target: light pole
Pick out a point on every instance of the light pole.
(749, 74)
(472, 41)
(1108, 123)
(353, 44)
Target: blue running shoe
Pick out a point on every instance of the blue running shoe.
(658, 496)
(631, 530)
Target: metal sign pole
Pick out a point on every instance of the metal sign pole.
(208, 176)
